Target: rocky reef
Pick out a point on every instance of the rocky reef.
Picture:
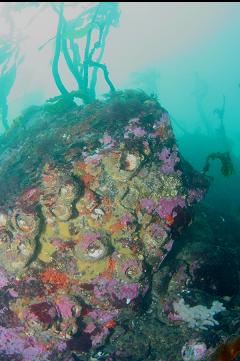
(93, 200)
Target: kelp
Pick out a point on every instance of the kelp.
(9, 61)
(61, 104)
(227, 167)
(81, 41)
(82, 54)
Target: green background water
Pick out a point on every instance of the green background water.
(187, 54)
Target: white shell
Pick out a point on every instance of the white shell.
(3, 219)
(131, 161)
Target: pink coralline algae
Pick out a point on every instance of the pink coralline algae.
(194, 350)
(12, 292)
(147, 204)
(106, 139)
(174, 317)
(61, 346)
(161, 127)
(99, 336)
(138, 132)
(167, 205)
(95, 158)
(33, 354)
(89, 238)
(115, 289)
(159, 230)
(168, 246)
(165, 118)
(169, 159)
(102, 316)
(195, 195)
(129, 291)
(131, 263)
(57, 242)
(65, 305)
(126, 219)
(3, 279)
(133, 129)
(90, 327)
(11, 343)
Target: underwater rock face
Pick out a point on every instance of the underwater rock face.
(83, 231)
(17, 239)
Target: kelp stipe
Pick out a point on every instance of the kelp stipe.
(227, 167)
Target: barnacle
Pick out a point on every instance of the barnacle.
(61, 211)
(96, 250)
(127, 266)
(68, 192)
(5, 236)
(131, 162)
(25, 222)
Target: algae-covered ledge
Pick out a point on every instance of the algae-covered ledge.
(104, 193)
